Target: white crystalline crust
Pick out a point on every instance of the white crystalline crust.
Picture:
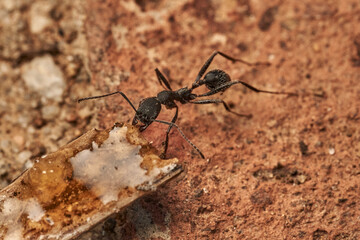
(43, 76)
(12, 209)
(112, 166)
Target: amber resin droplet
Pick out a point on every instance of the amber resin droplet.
(67, 192)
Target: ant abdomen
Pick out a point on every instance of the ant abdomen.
(216, 78)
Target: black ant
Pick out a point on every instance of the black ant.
(215, 80)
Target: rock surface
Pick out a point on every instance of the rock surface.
(42, 76)
(292, 171)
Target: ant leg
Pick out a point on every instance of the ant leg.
(211, 58)
(229, 84)
(143, 127)
(205, 66)
(162, 79)
(106, 95)
(182, 134)
(210, 101)
(167, 134)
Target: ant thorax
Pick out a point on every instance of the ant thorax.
(165, 96)
(185, 95)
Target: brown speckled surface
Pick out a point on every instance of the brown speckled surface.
(290, 172)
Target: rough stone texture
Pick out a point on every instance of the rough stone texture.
(290, 172)
(42, 76)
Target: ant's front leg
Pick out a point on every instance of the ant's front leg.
(183, 135)
(166, 142)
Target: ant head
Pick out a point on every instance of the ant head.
(149, 109)
(216, 78)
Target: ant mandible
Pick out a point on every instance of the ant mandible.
(215, 80)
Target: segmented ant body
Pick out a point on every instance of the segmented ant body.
(215, 80)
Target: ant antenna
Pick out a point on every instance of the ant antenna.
(107, 95)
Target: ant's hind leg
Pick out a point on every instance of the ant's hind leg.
(205, 66)
(166, 142)
(162, 79)
(211, 58)
(227, 108)
(229, 84)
